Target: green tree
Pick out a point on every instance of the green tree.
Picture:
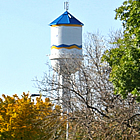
(125, 58)
(129, 14)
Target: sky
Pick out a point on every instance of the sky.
(25, 36)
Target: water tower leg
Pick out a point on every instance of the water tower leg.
(65, 98)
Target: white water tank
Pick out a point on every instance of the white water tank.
(66, 43)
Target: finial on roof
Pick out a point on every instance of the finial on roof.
(66, 5)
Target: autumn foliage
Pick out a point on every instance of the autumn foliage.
(22, 118)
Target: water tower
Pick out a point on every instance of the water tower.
(66, 49)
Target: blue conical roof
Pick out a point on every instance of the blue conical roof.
(66, 18)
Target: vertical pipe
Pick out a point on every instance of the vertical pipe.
(65, 99)
(67, 125)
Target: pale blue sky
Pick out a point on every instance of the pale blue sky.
(25, 35)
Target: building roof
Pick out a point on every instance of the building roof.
(66, 18)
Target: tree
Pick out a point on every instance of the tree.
(94, 111)
(24, 119)
(129, 14)
(124, 59)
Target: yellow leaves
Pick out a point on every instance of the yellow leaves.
(15, 96)
(10, 105)
(2, 111)
(47, 100)
(2, 130)
(24, 126)
(1, 118)
(22, 117)
(3, 96)
(0, 100)
(24, 94)
(14, 115)
(57, 107)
